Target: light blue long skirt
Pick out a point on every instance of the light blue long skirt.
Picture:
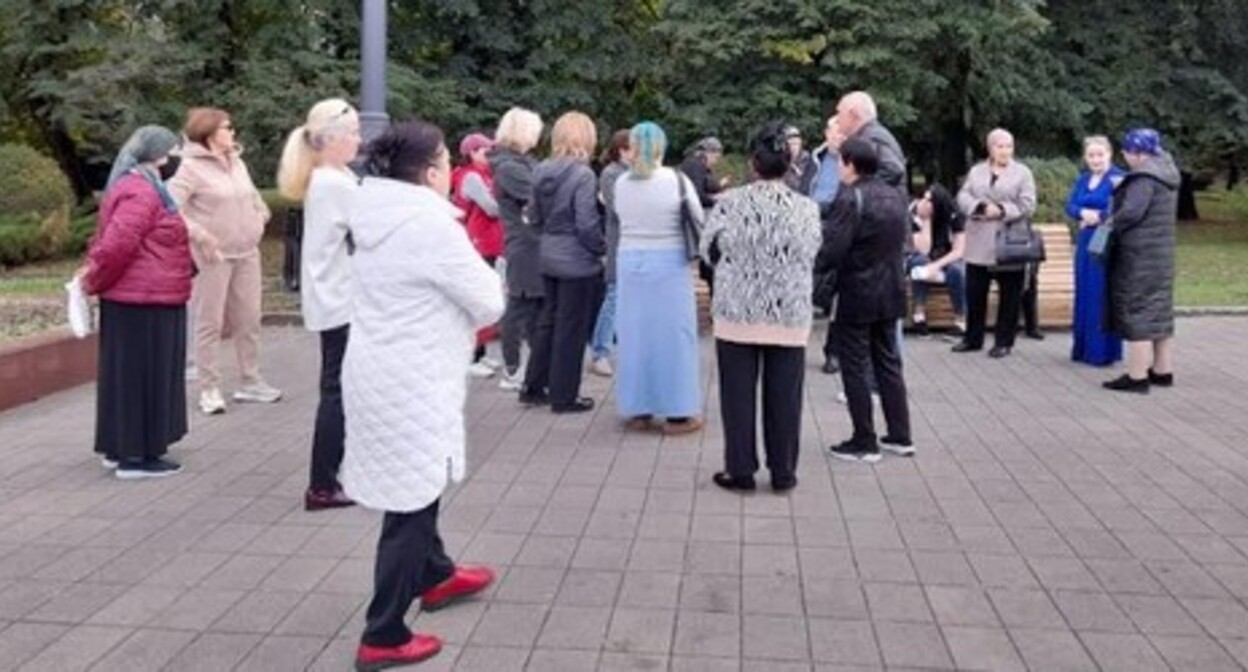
(657, 368)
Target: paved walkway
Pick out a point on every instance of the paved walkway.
(1044, 525)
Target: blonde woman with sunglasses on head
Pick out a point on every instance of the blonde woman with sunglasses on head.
(314, 171)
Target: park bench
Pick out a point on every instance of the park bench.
(1057, 287)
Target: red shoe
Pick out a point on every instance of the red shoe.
(464, 582)
(319, 500)
(418, 648)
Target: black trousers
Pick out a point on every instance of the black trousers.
(782, 370)
(1010, 288)
(865, 348)
(1031, 299)
(410, 561)
(519, 324)
(330, 435)
(562, 333)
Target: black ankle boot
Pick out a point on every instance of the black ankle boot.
(1125, 383)
(1160, 379)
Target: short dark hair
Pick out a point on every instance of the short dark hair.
(769, 151)
(861, 155)
(404, 151)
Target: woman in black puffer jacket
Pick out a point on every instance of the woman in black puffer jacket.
(1141, 263)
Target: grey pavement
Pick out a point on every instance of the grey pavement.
(1044, 524)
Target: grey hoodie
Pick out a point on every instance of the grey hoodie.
(565, 210)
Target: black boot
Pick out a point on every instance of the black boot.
(1160, 379)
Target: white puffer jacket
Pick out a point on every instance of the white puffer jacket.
(419, 293)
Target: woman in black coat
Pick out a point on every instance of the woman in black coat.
(1140, 264)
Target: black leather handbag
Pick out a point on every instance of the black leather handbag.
(1018, 243)
(688, 225)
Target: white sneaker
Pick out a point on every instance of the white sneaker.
(108, 462)
(192, 372)
(480, 370)
(511, 382)
(842, 399)
(491, 362)
(210, 402)
(903, 449)
(602, 367)
(260, 393)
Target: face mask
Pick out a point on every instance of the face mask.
(168, 170)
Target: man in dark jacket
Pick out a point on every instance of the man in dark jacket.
(863, 239)
(699, 168)
(858, 118)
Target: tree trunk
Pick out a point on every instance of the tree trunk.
(1187, 198)
(64, 151)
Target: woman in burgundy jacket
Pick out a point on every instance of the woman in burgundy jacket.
(139, 264)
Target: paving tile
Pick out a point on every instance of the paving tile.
(144, 651)
(22, 641)
(1156, 615)
(843, 642)
(79, 648)
(136, 606)
(961, 606)
(834, 598)
(775, 638)
(1115, 652)
(1095, 612)
(899, 603)
(279, 653)
(258, 612)
(641, 631)
(1193, 653)
(77, 602)
(976, 648)
(1051, 650)
(1025, 609)
(490, 659)
(714, 635)
(913, 645)
(196, 609)
(452, 625)
(575, 628)
(1220, 618)
(509, 625)
(776, 595)
(534, 585)
(650, 589)
(649, 662)
(552, 660)
(319, 614)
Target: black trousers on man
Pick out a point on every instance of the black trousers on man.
(562, 333)
(330, 434)
(519, 324)
(410, 561)
(782, 370)
(872, 347)
(1009, 295)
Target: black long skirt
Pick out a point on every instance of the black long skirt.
(140, 404)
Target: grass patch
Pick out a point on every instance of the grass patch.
(1213, 252)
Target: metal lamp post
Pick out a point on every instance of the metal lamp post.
(373, 117)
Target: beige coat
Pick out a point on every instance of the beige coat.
(1014, 191)
(216, 195)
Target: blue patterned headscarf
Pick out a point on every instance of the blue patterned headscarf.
(146, 144)
(1142, 141)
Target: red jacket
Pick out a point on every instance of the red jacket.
(486, 232)
(140, 253)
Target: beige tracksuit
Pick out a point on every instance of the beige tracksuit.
(215, 193)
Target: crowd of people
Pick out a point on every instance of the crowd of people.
(411, 266)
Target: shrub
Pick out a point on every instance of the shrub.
(1053, 180)
(31, 183)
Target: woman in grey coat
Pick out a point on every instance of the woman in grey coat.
(996, 192)
(1141, 262)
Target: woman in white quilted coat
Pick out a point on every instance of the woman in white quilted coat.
(420, 293)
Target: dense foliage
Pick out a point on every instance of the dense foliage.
(77, 75)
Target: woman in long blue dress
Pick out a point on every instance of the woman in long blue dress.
(658, 380)
(1088, 205)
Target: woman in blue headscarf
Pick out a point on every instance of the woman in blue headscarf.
(657, 381)
(1140, 265)
(1088, 206)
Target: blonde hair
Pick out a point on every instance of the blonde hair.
(573, 136)
(1098, 141)
(519, 130)
(327, 120)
